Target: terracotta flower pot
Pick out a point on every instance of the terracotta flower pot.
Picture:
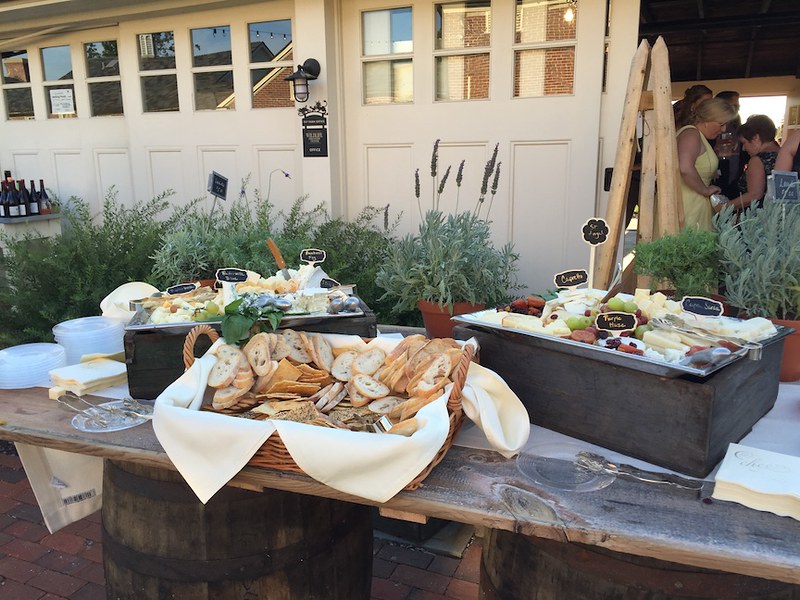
(437, 320)
(790, 366)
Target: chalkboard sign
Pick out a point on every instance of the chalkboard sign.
(313, 255)
(181, 288)
(232, 275)
(327, 283)
(595, 232)
(217, 185)
(699, 305)
(785, 183)
(615, 321)
(571, 278)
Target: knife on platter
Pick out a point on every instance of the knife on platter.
(276, 254)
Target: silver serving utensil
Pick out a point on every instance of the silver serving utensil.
(674, 323)
(594, 463)
(87, 413)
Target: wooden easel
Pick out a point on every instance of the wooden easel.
(659, 162)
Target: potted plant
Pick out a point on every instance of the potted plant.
(686, 263)
(450, 265)
(760, 259)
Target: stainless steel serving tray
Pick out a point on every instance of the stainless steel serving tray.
(141, 321)
(614, 357)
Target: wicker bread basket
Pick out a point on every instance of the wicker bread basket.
(273, 453)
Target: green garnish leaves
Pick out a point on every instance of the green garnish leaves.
(238, 320)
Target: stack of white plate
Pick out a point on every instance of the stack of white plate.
(89, 335)
(28, 365)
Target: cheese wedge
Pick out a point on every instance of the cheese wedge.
(664, 339)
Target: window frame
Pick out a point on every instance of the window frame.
(271, 64)
(102, 79)
(389, 58)
(50, 84)
(196, 70)
(20, 85)
(145, 73)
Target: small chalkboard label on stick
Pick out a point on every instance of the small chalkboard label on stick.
(615, 322)
(313, 255)
(217, 185)
(181, 288)
(702, 306)
(595, 232)
(573, 278)
(328, 283)
(231, 275)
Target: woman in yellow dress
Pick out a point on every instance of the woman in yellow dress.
(698, 162)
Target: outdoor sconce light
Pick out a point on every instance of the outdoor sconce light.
(306, 72)
(569, 14)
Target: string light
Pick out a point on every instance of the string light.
(569, 14)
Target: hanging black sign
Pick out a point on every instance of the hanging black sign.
(595, 232)
(315, 136)
(699, 305)
(572, 278)
(615, 321)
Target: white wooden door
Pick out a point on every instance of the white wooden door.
(548, 145)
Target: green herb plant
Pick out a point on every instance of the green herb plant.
(451, 258)
(239, 320)
(760, 257)
(687, 262)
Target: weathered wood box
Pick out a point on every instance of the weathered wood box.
(154, 358)
(683, 423)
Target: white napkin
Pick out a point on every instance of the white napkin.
(117, 304)
(492, 406)
(208, 449)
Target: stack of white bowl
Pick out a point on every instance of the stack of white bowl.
(89, 335)
(28, 365)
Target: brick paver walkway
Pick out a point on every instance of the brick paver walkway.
(68, 564)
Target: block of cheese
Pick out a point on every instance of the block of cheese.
(664, 339)
(89, 376)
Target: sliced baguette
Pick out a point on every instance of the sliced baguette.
(368, 387)
(281, 348)
(257, 352)
(323, 353)
(342, 366)
(407, 427)
(222, 374)
(368, 362)
(227, 397)
(297, 347)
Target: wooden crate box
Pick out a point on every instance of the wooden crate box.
(683, 423)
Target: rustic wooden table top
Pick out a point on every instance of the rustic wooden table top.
(482, 488)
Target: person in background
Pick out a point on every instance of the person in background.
(698, 161)
(685, 107)
(732, 157)
(788, 156)
(757, 137)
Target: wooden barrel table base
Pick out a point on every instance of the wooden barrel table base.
(518, 567)
(160, 541)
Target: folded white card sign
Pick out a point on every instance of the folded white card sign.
(760, 479)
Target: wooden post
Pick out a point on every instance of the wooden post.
(620, 178)
(670, 205)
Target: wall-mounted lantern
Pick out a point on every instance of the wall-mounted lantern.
(306, 72)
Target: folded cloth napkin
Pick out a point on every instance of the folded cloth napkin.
(208, 449)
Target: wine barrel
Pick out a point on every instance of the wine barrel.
(159, 541)
(518, 567)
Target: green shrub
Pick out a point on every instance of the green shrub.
(53, 279)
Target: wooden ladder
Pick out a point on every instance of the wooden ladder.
(659, 162)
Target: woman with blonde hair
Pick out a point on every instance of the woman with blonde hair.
(698, 162)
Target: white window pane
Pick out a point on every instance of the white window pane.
(463, 77)
(19, 103)
(57, 63)
(156, 50)
(211, 46)
(387, 32)
(105, 98)
(101, 59)
(545, 21)
(270, 88)
(270, 41)
(160, 93)
(388, 81)
(544, 72)
(214, 90)
(463, 24)
(15, 67)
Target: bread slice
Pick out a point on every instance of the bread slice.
(342, 366)
(222, 374)
(368, 387)
(281, 349)
(368, 362)
(227, 397)
(244, 378)
(297, 347)
(356, 399)
(260, 385)
(407, 427)
(322, 353)
(258, 353)
(383, 406)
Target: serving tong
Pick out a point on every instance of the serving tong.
(597, 464)
(675, 323)
(131, 408)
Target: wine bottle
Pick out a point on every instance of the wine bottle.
(44, 200)
(23, 204)
(3, 200)
(33, 201)
(13, 201)
(24, 199)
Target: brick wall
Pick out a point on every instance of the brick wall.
(275, 92)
